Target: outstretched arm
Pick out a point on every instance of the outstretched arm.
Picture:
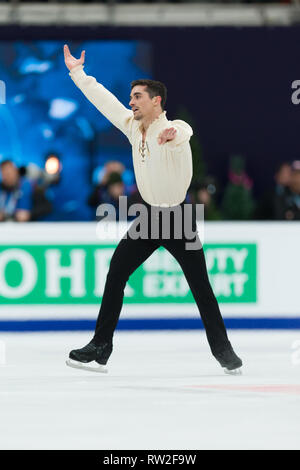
(177, 135)
(97, 94)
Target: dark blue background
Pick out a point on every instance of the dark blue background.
(46, 113)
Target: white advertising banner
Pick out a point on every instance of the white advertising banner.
(58, 271)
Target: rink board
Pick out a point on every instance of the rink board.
(52, 277)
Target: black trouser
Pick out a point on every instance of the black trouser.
(131, 253)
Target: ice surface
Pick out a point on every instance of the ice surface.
(164, 390)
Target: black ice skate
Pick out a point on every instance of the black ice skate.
(229, 361)
(91, 357)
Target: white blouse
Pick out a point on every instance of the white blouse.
(163, 173)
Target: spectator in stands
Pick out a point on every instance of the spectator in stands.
(40, 182)
(41, 205)
(238, 202)
(112, 166)
(271, 205)
(281, 190)
(108, 192)
(98, 194)
(15, 194)
(203, 193)
(288, 204)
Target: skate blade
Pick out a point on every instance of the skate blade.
(237, 371)
(90, 366)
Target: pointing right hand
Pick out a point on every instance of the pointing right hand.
(70, 61)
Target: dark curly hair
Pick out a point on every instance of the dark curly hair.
(154, 88)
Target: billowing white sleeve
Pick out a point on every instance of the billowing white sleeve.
(183, 134)
(103, 100)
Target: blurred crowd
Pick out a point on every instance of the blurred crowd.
(236, 201)
(25, 193)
